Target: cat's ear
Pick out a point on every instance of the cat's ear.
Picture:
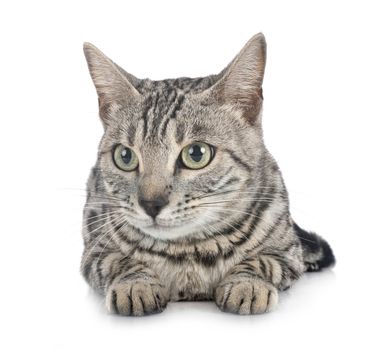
(113, 84)
(240, 83)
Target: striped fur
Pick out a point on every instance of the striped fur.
(226, 233)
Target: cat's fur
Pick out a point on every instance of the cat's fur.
(226, 233)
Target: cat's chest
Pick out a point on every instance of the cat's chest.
(188, 279)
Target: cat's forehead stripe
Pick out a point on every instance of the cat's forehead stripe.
(163, 100)
(159, 107)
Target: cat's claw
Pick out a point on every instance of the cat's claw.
(136, 298)
(252, 296)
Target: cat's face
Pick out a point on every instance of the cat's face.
(177, 155)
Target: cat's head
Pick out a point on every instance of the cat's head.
(180, 156)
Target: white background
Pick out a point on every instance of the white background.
(318, 124)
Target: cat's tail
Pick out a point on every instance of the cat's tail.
(317, 253)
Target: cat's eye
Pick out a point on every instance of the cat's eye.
(125, 158)
(197, 155)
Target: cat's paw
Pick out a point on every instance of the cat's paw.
(245, 297)
(136, 298)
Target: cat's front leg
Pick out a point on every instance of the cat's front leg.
(252, 286)
(245, 295)
(130, 287)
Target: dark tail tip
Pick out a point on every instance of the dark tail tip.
(328, 258)
(317, 253)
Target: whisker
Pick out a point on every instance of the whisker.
(114, 221)
(123, 223)
(213, 230)
(253, 215)
(265, 200)
(217, 209)
(99, 206)
(227, 223)
(238, 191)
(98, 215)
(98, 228)
(232, 210)
(107, 215)
(102, 203)
(245, 235)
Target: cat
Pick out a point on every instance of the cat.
(185, 202)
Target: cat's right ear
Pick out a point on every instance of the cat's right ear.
(112, 83)
(240, 84)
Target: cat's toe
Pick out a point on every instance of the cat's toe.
(253, 296)
(136, 298)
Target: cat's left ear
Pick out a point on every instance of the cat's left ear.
(240, 84)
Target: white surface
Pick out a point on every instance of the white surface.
(318, 124)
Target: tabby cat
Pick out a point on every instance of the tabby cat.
(185, 202)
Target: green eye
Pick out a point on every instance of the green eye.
(125, 159)
(197, 155)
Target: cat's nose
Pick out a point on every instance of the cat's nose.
(154, 206)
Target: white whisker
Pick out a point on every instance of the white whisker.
(114, 221)
(103, 217)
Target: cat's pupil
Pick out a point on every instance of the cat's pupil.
(196, 152)
(126, 155)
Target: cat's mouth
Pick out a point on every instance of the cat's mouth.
(169, 230)
(159, 226)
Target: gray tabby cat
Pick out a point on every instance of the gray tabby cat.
(185, 202)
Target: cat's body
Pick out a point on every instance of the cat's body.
(162, 230)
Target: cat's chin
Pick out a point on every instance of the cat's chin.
(169, 232)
